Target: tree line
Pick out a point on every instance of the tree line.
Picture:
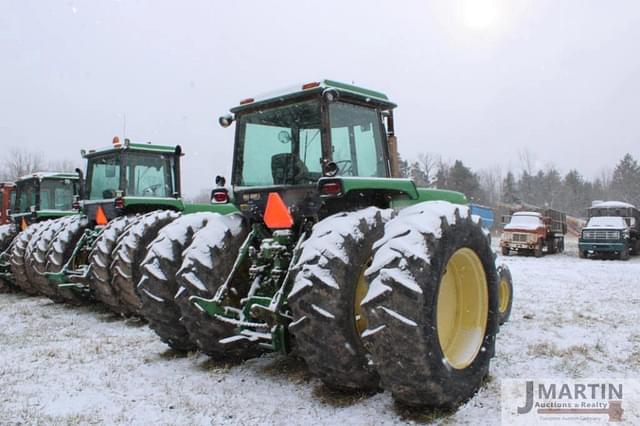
(19, 162)
(571, 192)
(547, 187)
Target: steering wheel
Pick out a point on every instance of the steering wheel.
(345, 167)
(151, 189)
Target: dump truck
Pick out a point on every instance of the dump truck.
(534, 232)
(130, 192)
(372, 280)
(36, 201)
(613, 230)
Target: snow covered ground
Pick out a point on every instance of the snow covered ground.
(65, 365)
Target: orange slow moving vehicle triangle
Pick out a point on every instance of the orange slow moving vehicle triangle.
(101, 217)
(276, 214)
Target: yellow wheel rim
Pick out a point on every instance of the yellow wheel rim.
(361, 291)
(462, 308)
(504, 294)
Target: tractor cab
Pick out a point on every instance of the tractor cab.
(320, 146)
(43, 195)
(130, 178)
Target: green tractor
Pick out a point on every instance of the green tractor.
(131, 191)
(374, 282)
(36, 202)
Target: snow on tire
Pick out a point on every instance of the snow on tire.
(325, 299)
(7, 237)
(158, 285)
(432, 306)
(36, 257)
(60, 251)
(207, 262)
(100, 260)
(17, 259)
(128, 255)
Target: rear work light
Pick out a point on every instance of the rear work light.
(220, 196)
(331, 188)
(246, 101)
(119, 203)
(310, 85)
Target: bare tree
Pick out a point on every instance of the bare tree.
(19, 163)
(429, 163)
(527, 161)
(65, 165)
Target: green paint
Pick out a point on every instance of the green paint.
(395, 186)
(223, 208)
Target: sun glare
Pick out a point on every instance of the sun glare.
(481, 14)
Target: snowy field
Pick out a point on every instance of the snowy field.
(64, 365)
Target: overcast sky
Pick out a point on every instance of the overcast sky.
(475, 80)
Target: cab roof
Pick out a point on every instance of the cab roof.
(49, 175)
(130, 146)
(316, 87)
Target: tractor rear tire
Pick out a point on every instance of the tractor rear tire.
(36, 257)
(505, 292)
(128, 256)
(7, 238)
(60, 251)
(207, 263)
(433, 279)
(325, 300)
(100, 260)
(18, 260)
(159, 284)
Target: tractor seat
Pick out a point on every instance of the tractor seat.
(288, 169)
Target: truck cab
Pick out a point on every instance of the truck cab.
(532, 232)
(611, 231)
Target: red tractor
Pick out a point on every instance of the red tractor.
(6, 201)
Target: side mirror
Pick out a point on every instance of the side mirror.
(225, 121)
(284, 136)
(330, 95)
(331, 169)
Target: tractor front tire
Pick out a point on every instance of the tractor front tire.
(329, 285)
(158, 286)
(432, 306)
(207, 263)
(128, 256)
(505, 292)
